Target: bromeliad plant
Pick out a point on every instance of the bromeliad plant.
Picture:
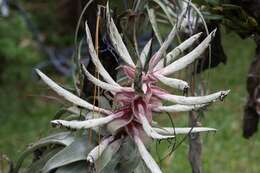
(130, 121)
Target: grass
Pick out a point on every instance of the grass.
(24, 116)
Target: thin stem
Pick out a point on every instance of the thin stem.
(96, 71)
(195, 144)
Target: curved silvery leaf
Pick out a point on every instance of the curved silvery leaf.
(184, 130)
(147, 158)
(97, 129)
(172, 55)
(157, 56)
(168, 12)
(150, 131)
(189, 58)
(68, 95)
(37, 165)
(196, 100)
(62, 139)
(101, 84)
(95, 59)
(86, 123)
(116, 125)
(172, 82)
(76, 151)
(99, 149)
(179, 108)
(76, 167)
(103, 164)
(145, 53)
(117, 41)
(154, 25)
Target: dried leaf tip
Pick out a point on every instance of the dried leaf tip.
(224, 94)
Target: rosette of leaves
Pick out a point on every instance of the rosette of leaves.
(121, 132)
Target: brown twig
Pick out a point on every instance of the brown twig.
(195, 144)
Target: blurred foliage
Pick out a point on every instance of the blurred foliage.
(45, 16)
(17, 50)
(24, 115)
(234, 17)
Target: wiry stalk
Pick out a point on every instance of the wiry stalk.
(95, 59)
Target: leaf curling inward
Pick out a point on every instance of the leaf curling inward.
(76, 151)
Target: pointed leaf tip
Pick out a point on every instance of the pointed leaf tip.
(224, 94)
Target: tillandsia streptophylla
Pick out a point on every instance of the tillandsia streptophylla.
(136, 104)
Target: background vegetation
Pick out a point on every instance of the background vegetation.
(25, 112)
